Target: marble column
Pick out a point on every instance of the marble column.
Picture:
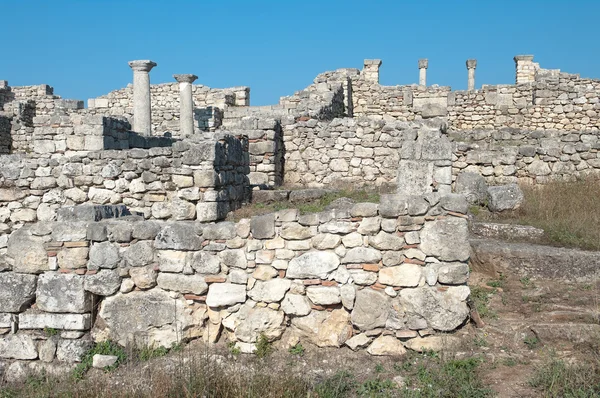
(142, 111)
(423, 64)
(186, 103)
(471, 65)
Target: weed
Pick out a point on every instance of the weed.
(298, 349)
(557, 379)
(147, 353)
(526, 282)
(531, 342)
(481, 298)
(376, 388)
(509, 362)
(263, 346)
(379, 368)
(480, 341)
(104, 348)
(525, 299)
(338, 386)
(233, 349)
(50, 332)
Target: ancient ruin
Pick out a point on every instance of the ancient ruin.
(112, 216)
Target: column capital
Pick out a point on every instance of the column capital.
(185, 78)
(471, 63)
(142, 65)
(423, 63)
(376, 62)
(518, 58)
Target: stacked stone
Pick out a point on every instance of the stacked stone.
(355, 152)
(508, 155)
(385, 276)
(553, 102)
(165, 101)
(189, 180)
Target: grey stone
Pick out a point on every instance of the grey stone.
(504, 197)
(47, 350)
(100, 361)
(103, 255)
(142, 277)
(103, 283)
(473, 186)
(271, 291)
(145, 319)
(324, 295)
(385, 241)
(28, 252)
(205, 263)
(295, 304)
(145, 230)
(222, 230)
(453, 273)
(455, 202)
(194, 284)
(414, 177)
(92, 212)
(364, 210)
(139, 254)
(36, 320)
(348, 295)
(263, 227)
(72, 350)
(62, 293)
(446, 239)
(392, 206)
(178, 236)
(235, 258)
(249, 323)
(225, 294)
(371, 309)
(17, 291)
(443, 310)
(69, 231)
(316, 264)
(359, 341)
(358, 255)
(18, 346)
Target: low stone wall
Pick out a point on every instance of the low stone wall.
(378, 276)
(190, 180)
(516, 155)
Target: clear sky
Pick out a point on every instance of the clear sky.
(81, 47)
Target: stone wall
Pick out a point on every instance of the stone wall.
(380, 277)
(188, 180)
(516, 155)
(367, 152)
(210, 103)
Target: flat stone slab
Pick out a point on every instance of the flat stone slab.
(92, 212)
(535, 260)
(506, 231)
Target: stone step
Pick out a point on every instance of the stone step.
(534, 260)
(508, 232)
(571, 332)
(92, 212)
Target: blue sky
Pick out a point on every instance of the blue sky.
(81, 47)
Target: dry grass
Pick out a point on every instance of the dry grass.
(568, 212)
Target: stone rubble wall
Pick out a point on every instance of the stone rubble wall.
(383, 277)
(516, 155)
(201, 180)
(362, 152)
(210, 103)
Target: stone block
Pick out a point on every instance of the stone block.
(33, 320)
(18, 346)
(62, 293)
(17, 291)
(225, 294)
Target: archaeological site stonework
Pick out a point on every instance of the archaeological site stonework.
(113, 216)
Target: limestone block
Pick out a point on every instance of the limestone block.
(385, 241)
(172, 260)
(504, 197)
(35, 320)
(194, 284)
(431, 107)
(250, 322)
(235, 258)
(18, 346)
(17, 291)
(442, 310)
(205, 263)
(103, 255)
(263, 227)
(405, 275)
(222, 230)
(446, 239)
(178, 236)
(28, 252)
(316, 264)
(453, 273)
(386, 345)
(359, 255)
(103, 283)
(72, 350)
(324, 329)
(270, 291)
(62, 293)
(295, 304)
(142, 277)
(100, 361)
(371, 309)
(324, 295)
(225, 294)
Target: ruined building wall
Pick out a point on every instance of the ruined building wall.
(375, 276)
(187, 181)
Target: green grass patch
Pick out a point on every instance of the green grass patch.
(557, 379)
